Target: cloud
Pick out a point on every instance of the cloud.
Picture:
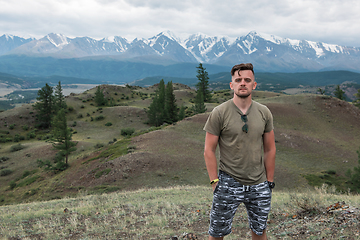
(331, 21)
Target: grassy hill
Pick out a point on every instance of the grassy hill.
(316, 139)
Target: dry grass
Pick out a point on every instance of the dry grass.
(165, 212)
(313, 134)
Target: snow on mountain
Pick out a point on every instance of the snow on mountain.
(9, 42)
(265, 48)
(58, 40)
(205, 48)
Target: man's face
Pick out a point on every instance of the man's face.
(243, 82)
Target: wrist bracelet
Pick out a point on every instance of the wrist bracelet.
(214, 181)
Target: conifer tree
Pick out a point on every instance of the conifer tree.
(155, 112)
(181, 113)
(161, 100)
(339, 93)
(171, 109)
(203, 84)
(59, 98)
(100, 99)
(45, 106)
(62, 135)
(199, 106)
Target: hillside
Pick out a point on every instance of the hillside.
(315, 135)
(289, 83)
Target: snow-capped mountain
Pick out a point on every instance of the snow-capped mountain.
(268, 52)
(205, 48)
(10, 42)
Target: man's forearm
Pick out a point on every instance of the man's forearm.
(211, 165)
(269, 160)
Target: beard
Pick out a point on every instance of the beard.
(246, 95)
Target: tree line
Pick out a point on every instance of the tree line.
(163, 108)
(51, 114)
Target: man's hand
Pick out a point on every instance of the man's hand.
(214, 186)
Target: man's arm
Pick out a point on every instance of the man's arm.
(211, 142)
(269, 154)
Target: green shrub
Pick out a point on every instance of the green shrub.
(131, 149)
(25, 127)
(6, 172)
(71, 108)
(12, 185)
(12, 126)
(60, 166)
(26, 173)
(4, 159)
(99, 145)
(47, 164)
(127, 131)
(332, 172)
(16, 148)
(18, 138)
(31, 135)
(103, 172)
(99, 118)
(28, 181)
(108, 124)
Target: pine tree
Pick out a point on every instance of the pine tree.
(321, 91)
(59, 98)
(199, 103)
(171, 109)
(181, 113)
(161, 100)
(62, 135)
(45, 106)
(203, 84)
(100, 99)
(339, 93)
(155, 112)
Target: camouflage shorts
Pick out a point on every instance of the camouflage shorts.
(228, 195)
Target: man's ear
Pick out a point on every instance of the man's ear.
(231, 86)
(255, 84)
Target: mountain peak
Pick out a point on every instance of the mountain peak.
(8, 36)
(58, 40)
(169, 35)
(199, 47)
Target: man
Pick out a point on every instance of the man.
(243, 129)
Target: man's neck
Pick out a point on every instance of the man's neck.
(242, 103)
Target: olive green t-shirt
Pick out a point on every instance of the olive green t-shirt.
(241, 154)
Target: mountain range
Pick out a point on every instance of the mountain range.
(268, 53)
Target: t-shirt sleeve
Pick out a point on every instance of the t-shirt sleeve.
(269, 122)
(213, 123)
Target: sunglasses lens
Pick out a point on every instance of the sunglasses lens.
(245, 127)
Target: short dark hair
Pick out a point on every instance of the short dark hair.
(241, 67)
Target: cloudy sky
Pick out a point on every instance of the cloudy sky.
(330, 21)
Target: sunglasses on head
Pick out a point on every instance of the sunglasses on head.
(245, 128)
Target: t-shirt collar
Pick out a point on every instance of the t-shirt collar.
(239, 111)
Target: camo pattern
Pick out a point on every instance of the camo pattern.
(228, 195)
